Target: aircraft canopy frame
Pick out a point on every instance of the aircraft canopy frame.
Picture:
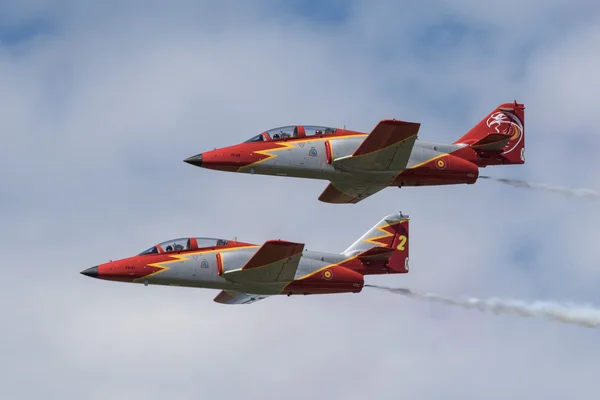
(183, 244)
(291, 131)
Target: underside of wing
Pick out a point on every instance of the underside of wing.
(235, 297)
(348, 192)
(275, 261)
(386, 148)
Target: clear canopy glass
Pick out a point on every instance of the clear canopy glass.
(291, 131)
(182, 244)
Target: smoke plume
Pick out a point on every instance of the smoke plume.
(582, 315)
(584, 193)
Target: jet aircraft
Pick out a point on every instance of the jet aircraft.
(359, 165)
(246, 272)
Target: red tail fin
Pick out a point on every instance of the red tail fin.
(399, 260)
(499, 138)
(384, 248)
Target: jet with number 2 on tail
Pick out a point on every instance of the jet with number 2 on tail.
(359, 165)
(247, 272)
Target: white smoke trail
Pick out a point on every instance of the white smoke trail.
(583, 315)
(584, 193)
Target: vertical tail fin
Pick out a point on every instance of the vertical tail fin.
(391, 234)
(499, 138)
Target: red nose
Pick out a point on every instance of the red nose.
(225, 159)
(125, 270)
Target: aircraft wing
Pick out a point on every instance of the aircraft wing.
(275, 261)
(348, 192)
(386, 148)
(235, 297)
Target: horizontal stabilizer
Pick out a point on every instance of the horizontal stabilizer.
(376, 254)
(492, 142)
(235, 297)
(348, 192)
(386, 148)
(275, 261)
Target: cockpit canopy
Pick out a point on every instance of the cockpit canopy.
(292, 131)
(184, 244)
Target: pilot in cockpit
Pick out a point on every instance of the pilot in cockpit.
(175, 247)
(318, 132)
(281, 135)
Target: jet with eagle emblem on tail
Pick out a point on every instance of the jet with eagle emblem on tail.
(246, 272)
(358, 165)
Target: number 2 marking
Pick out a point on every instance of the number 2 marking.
(402, 240)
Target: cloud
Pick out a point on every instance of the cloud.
(98, 113)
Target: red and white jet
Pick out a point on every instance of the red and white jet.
(359, 165)
(246, 272)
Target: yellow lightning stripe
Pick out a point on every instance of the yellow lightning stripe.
(162, 267)
(186, 257)
(386, 233)
(292, 145)
(268, 153)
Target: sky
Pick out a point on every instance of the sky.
(100, 102)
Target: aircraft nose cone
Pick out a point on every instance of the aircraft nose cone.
(91, 272)
(195, 160)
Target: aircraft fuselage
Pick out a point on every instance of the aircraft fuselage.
(314, 158)
(205, 268)
(246, 272)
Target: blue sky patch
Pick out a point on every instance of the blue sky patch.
(449, 34)
(334, 11)
(24, 31)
